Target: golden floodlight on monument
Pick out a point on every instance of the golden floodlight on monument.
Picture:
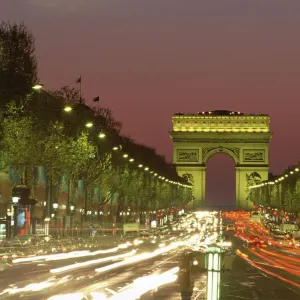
(244, 137)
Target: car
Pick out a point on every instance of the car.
(230, 227)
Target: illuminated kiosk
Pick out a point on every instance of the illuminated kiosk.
(214, 266)
(244, 137)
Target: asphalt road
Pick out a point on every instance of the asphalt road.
(84, 279)
(247, 282)
(244, 281)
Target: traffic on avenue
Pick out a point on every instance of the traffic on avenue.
(199, 255)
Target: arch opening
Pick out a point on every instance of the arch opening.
(220, 182)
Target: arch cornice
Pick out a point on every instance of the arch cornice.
(208, 152)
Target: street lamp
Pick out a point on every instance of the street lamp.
(8, 224)
(102, 135)
(55, 206)
(89, 124)
(81, 220)
(68, 108)
(37, 87)
(72, 208)
(15, 201)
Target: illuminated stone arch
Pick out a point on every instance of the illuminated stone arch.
(208, 152)
(244, 137)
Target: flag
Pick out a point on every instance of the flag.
(96, 99)
(78, 80)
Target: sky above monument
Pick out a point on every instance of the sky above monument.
(147, 60)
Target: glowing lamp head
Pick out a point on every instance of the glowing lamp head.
(68, 108)
(15, 199)
(37, 87)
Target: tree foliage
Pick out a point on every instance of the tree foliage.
(36, 130)
(283, 194)
(18, 64)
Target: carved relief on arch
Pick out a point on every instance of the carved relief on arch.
(233, 152)
(189, 178)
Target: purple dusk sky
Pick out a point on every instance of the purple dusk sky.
(149, 59)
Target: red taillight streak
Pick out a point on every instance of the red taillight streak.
(269, 272)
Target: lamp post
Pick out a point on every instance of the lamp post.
(55, 206)
(96, 213)
(8, 224)
(15, 201)
(89, 214)
(72, 208)
(81, 220)
(101, 220)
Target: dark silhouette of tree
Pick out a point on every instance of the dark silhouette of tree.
(18, 64)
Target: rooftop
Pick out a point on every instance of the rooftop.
(219, 113)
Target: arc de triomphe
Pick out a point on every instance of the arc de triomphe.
(244, 137)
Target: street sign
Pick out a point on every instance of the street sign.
(127, 227)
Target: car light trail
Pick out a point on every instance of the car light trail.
(256, 265)
(139, 258)
(73, 296)
(145, 284)
(91, 262)
(293, 259)
(287, 267)
(35, 287)
(139, 287)
(69, 255)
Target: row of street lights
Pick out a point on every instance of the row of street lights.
(102, 135)
(276, 181)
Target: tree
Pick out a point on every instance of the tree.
(296, 198)
(18, 64)
(53, 151)
(18, 140)
(67, 94)
(106, 121)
